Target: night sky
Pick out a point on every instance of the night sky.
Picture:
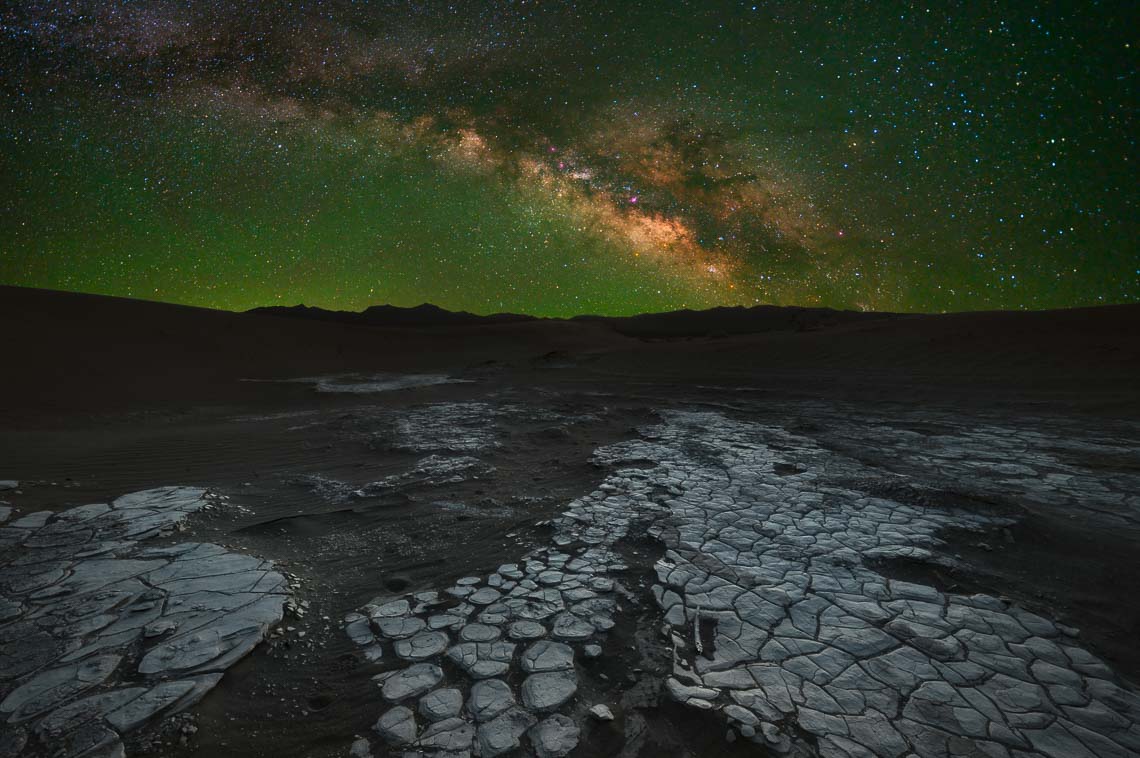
(558, 158)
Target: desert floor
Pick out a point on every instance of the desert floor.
(246, 535)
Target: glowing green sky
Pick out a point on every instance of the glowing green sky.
(568, 158)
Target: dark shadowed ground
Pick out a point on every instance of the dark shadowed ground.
(398, 486)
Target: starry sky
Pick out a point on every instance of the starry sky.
(558, 158)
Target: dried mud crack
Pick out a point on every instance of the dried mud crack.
(100, 634)
(576, 576)
(774, 615)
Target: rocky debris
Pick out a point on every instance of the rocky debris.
(8, 484)
(172, 733)
(361, 748)
(102, 635)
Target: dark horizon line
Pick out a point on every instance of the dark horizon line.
(582, 316)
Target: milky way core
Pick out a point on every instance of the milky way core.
(565, 158)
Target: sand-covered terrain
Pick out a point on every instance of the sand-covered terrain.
(767, 532)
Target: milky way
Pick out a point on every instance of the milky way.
(562, 158)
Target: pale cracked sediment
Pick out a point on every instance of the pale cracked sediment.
(523, 619)
(99, 634)
(778, 620)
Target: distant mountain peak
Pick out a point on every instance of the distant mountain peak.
(422, 315)
(720, 321)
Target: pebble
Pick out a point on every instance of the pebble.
(602, 712)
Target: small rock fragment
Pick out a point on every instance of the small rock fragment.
(602, 712)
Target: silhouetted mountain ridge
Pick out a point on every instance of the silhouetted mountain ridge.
(422, 315)
(713, 322)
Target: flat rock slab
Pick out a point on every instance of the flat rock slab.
(485, 596)
(171, 695)
(396, 628)
(482, 660)
(411, 682)
(526, 630)
(91, 708)
(441, 704)
(422, 646)
(445, 621)
(393, 609)
(501, 735)
(55, 686)
(489, 698)
(545, 692)
(88, 609)
(547, 656)
(554, 736)
(397, 726)
(479, 633)
(451, 735)
(567, 626)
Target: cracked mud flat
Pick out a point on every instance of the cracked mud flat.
(566, 572)
(775, 619)
(102, 634)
